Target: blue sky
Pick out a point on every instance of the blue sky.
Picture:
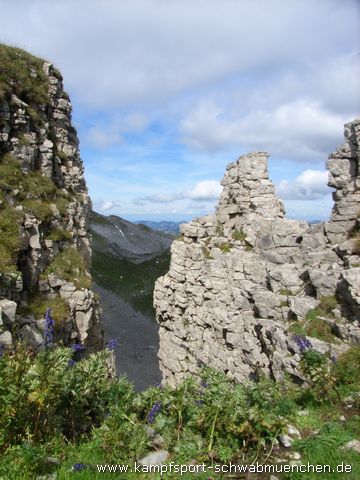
(166, 93)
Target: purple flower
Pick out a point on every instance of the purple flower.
(333, 358)
(199, 402)
(71, 363)
(49, 328)
(77, 347)
(78, 466)
(302, 342)
(1, 350)
(155, 409)
(112, 344)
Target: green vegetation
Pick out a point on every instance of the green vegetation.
(225, 247)
(239, 235)
(54, 407)
(70, 265)
(22, 73)
(9, 239)
(132, 281)
(39, 303)
(314, 325)
(36, 194)
(32, 190)
(206, 253)
(59, 235)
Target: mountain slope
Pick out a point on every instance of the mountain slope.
(128, 258)
(119, 237)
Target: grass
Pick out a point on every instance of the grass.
(225, 247)
(59, 235)
(40, 209)
(70, 266)
(22, 73)
(9, 239)
(316, 327)
(325, 448)
(39, 303)
(239, 235)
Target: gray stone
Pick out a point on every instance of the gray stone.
(6, 339)
(31, 336)
(300, 306)
(155, 458)
(286, 440)
(7, 310)
(352, 445)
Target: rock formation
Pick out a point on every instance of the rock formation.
(244, 280)
(44, 209)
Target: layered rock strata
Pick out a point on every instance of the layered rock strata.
(45, 246)
(242, 280)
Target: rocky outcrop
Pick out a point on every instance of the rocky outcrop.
(243, 280)
(45, 246)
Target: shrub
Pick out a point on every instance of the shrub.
(48, 393)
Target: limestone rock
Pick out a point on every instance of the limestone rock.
(155, 458)
(7, 311)
(44, 143)
(239, 277)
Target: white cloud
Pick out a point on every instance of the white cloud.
(303, 129)
(309, 185)
(107, 205)
(113, 53)
(205, 190)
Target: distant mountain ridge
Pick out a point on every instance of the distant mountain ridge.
(164, 226)
(136, 242)
(128, 258)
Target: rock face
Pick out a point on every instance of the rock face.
(45, 246)
(240, 279)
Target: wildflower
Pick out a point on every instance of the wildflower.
(1, 350)
(155, 409)
(333, 358)
(71, 363)
(302, 342)
(112, 344)
(77, 347)
(199, 402)
(78, 466)
(49, 328)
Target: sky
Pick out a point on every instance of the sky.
(166, 93)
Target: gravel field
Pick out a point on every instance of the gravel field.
(136, 354)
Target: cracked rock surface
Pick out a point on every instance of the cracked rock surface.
(240, 278)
